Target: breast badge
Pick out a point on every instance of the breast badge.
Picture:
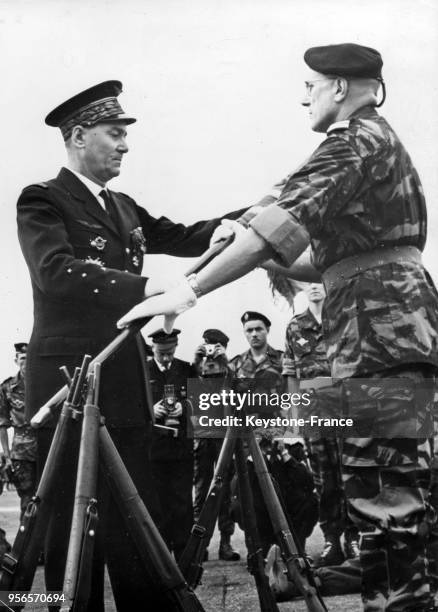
(98, 243)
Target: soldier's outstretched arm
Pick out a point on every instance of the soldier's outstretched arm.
(248, 250)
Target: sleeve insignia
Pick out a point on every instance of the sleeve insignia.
(96, 261)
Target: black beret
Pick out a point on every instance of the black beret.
(96, 104)
(161, 337)
(347, 60)
(252, 315)
(215, 336)
(21, 347)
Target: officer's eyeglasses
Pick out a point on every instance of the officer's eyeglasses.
(309, 84)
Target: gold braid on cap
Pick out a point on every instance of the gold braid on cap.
(91, 114)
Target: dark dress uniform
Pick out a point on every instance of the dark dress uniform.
(85, 270)
(172, 458)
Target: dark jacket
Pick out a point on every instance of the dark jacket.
(85, 274)
(180, 448)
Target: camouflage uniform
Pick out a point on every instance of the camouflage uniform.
(356, 193)
(305, 357)
(23, 452)
(266, 374)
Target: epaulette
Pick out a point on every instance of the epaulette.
(6, 380)
(339, 125)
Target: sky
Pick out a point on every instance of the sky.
(216, 87)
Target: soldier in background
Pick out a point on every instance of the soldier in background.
(305, 357)
(21, 458)
(260, 362)
(171, 457)
(211, 360)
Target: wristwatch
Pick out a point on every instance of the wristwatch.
(194, 285)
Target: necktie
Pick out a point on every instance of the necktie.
(109, 205)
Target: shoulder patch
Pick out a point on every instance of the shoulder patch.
(339, 125)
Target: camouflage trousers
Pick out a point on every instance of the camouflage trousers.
(387, 483)
(325, 463)
(24, 480)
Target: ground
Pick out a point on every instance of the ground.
(226, 587)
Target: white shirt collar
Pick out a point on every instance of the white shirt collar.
(161, 367)
(91, 185)
(339, 125)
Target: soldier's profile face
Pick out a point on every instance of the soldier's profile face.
(104, 147)
(256, 333)
(319, 100)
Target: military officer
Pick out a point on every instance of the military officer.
(359, 202)
(21, 457)
(305, 357)
(172, 457)
(84, 246)
(211, 360)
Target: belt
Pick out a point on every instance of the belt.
(338, 273)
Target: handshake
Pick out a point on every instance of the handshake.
(171, 297)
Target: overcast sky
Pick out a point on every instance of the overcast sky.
(216, 87)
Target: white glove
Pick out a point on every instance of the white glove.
(226, 229)
(160, 284)
(170, 304)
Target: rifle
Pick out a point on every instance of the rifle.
(18, 567)
(77, 578)
(194, 551)
(298, 568)
(156, 558)
(255, 558)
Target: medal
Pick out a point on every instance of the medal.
(98, 243)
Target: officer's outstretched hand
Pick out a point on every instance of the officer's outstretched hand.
(225, 230)
(170, 304)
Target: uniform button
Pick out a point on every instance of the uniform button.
(96, 291)
(69, 271)
(84, 274)
(113, 282)
(128, 250)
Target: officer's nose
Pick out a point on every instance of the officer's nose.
(305, 100)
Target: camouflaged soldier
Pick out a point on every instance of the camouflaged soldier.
(261, 363)
(21, 457)
(305, 357)
(359, 202)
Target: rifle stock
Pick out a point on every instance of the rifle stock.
(77, 579)
(156, 558)
(256, 565)
(18, 567)
(193, 554)
(298, 569)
